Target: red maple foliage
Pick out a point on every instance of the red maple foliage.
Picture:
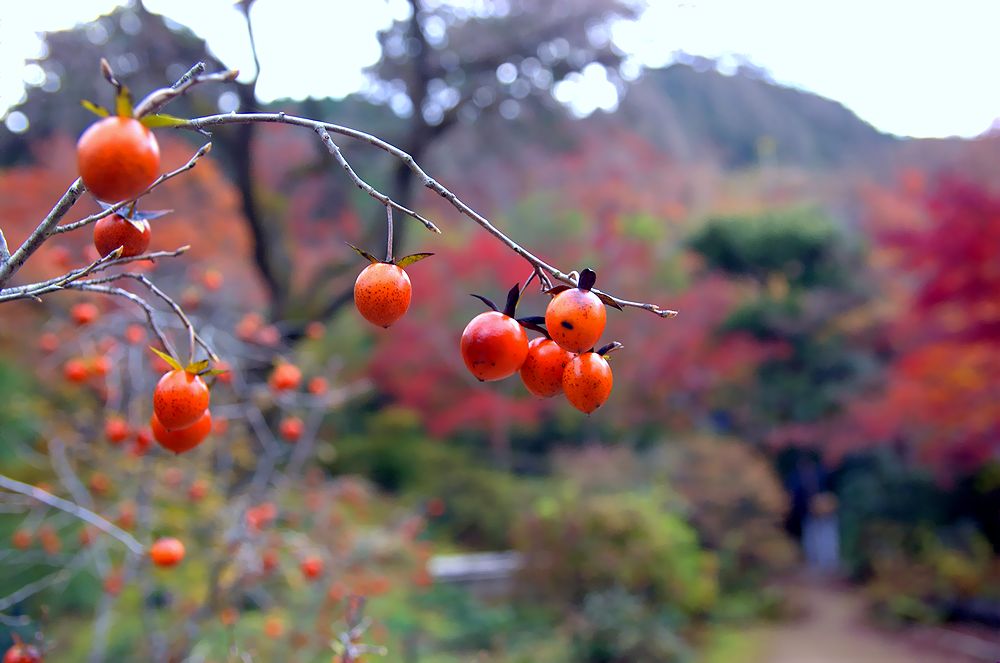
(940, 391)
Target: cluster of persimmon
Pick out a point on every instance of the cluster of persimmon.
(22, 539)
(563, 360)
(118, 159)
(181, 419)
(495, 344)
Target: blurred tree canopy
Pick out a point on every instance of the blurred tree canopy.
(804, 247)
(807, 270)
(440, 65)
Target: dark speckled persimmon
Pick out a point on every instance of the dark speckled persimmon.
(542, 371)
(182, 439)
(382, 293)
(180, 399)
(575, 319)
(494, 346)
(587, 381)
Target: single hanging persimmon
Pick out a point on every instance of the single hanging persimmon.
(285, 377)
(184, 439)
(575, 317)
(116, 429)
(166, 552)
(312, 567)
(115, 230)
(75, 370)
(21, 539)
(542, 371)
(118, 158)
(84, 313)
(494, 345)
(382, 291)
(318, 386)
(181, 397)
(587, 379)
(291, 428)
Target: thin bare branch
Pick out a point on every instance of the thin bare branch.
(244, 8)
(202, 151)
(15, 622)
(42, 232)
(35, 290)
(43, 583)
(135, 299)
(198, 68)
(193, 336)
(4, 251)
(86, 515)
(388, 233)
(59, 282)
(201, 123)
(97, 285)
(364, 186)
(71, 481)
(157, 99)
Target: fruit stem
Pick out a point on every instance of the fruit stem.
(388, 241)
(587, 279)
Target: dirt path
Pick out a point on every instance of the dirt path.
(834, 629)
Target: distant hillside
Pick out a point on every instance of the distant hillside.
(694, 113)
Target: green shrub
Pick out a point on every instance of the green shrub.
(480, 505)
(802, 245)
(727, 491)
(393, 451)
(733, 498)
(883, 508)
(585, 543)
(617, 627)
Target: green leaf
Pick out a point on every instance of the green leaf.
(364, 254)
(173, 363)
(123, 102)
(216, 371)
(410, 259)
(157, 120)
(99, 111)
(198, 367)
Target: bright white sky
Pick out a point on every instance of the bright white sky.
(910, 67)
